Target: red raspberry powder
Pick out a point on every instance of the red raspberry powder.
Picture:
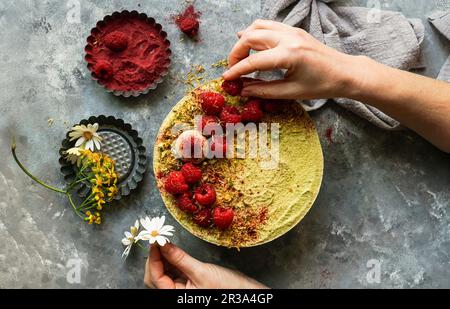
(135, 49)
(188, 21)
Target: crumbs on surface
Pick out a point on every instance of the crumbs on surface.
(223, 63)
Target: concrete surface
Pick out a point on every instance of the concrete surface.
(385, 196)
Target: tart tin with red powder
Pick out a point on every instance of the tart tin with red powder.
(128, 53)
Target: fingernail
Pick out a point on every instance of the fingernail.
(225, 75)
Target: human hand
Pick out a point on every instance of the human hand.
(169, 267)
(314, 70)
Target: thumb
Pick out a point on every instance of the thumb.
(277, 89)
(181, 260)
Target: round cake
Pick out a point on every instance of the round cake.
(257, 197)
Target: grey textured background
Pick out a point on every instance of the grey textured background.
(384, 196)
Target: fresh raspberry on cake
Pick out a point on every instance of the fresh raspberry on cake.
(205, 195)
(233, 87)
(190, 146)
(252, 111)
(218, 147)
(192, 173)
(185, 203)
(212, 103)
(203, 217)
(223, 217)
(230, 114)
(208, 125)
(116, 41)
(175, 183)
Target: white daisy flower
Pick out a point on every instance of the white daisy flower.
(155, 230)
(130, 238)
(86, 136)
(73, 155)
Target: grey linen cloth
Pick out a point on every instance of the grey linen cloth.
(441, 20)
(387, 37)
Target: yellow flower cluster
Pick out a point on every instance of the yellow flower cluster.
(103, 178)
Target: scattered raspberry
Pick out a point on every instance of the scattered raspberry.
(205, 195)
(219, 147)
(192, 174)
(273, 106)
(223, 217)
(212, 103)
(203, 217)
(252, 111)
(230, 114)
(210, 123)
(190, 27)
(116, 41)
(175, 183)
(233, 87)
(188, 21)
(185, 203)
(103, 70)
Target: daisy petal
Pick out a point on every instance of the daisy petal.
(126, 242)
(152, 240)
(161, 240)
(126, 252)
(160, 222)
(146, 223)
(80, 141)
(144, 235)
(96, 143)
(90, 145)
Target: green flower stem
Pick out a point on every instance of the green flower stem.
(87, 201)
(142, 247)
(69, 197)
(90, 207)
(13, 149)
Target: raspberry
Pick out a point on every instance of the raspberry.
(116, 41)
(211, 123)
(230, 114)
(205, 195)
(175, 183)
(273, 106)
(103, 70)
(185, 203)
(212, 103)
(219, 147)
(190, 26)
(252, 111)
(190, 145)
(223, 217)
(203, 217)
(192, 174)
(233, 87)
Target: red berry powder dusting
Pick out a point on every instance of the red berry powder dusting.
(128, 53)
(188, 21)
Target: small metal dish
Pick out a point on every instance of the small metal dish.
(122, 144)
